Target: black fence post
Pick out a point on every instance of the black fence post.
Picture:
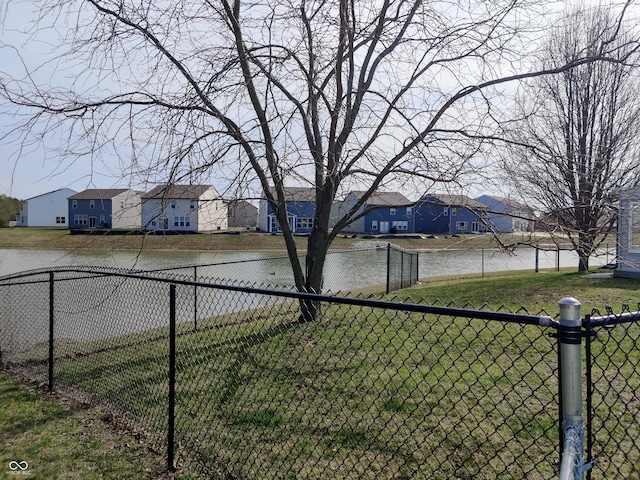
(172, 377)
(51, 305)
(195, 298)
(537, 259)
(388, 267)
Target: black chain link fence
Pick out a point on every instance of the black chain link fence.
(232, 381)
(613, 393)
(371, 264)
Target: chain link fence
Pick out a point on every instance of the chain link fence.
(371, 264)
(233, 381)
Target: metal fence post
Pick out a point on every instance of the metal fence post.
(195, 298)
(172, 378)
(388, 267)
(51, 305)
(572, 465)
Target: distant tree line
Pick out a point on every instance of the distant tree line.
(9, 207)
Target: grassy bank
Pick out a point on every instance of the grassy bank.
(62, 239)
(407, 396)
(58, 439)
(533, 291)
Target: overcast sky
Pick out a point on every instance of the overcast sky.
(31, 170)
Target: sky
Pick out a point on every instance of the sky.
(30, 170)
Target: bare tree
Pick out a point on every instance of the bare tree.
(329, 94)
(578, 144)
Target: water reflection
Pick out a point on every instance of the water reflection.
(343, 270)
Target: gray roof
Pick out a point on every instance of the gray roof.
(385, 199)
(297, 194)
(98, 194)
(48, 193)
(450, 200)
(177, 191)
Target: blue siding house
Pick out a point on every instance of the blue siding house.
(449, 214)
(383, 212)
(301, 211)
(504, 215)
(106, 208)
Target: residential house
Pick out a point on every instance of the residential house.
(629, 234)
(183, 208)
(242, 214)
(104, 208)
(504, 215)
(300, 203)
(382, 212)
(450, 214)
(46, 210)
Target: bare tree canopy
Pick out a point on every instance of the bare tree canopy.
(581, 130)
(327, 94)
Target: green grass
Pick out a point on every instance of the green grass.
(535, 292)
(364, 393)
(52, 238)
(60, 440)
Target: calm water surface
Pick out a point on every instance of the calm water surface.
(343, 271)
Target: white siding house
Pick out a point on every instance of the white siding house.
(46, 210)
(184, 208)
(629, 234)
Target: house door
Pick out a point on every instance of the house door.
(384, 227)
(92, 222)
(475, 227)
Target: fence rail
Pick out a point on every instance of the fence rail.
(234, 381)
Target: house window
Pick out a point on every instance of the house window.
(392, 211)
(187, 221)
(192, 204)
(173, 204)
(401, 226)
(304, 222)
(446, 212)
(80, 219)
(409, 211)
(454, 212)
(74, 203)
(374, 225)
(92, 204)
(462, 225)
(61, 219)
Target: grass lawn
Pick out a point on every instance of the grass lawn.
(361, 393)
(52, 238)
(533, 291)
(62, 440)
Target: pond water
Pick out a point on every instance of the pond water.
(111, 306)
(344, 270)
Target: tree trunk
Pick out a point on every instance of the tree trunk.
(583, 262)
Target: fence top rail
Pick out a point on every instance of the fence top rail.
(610, 319)
(507, 317)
